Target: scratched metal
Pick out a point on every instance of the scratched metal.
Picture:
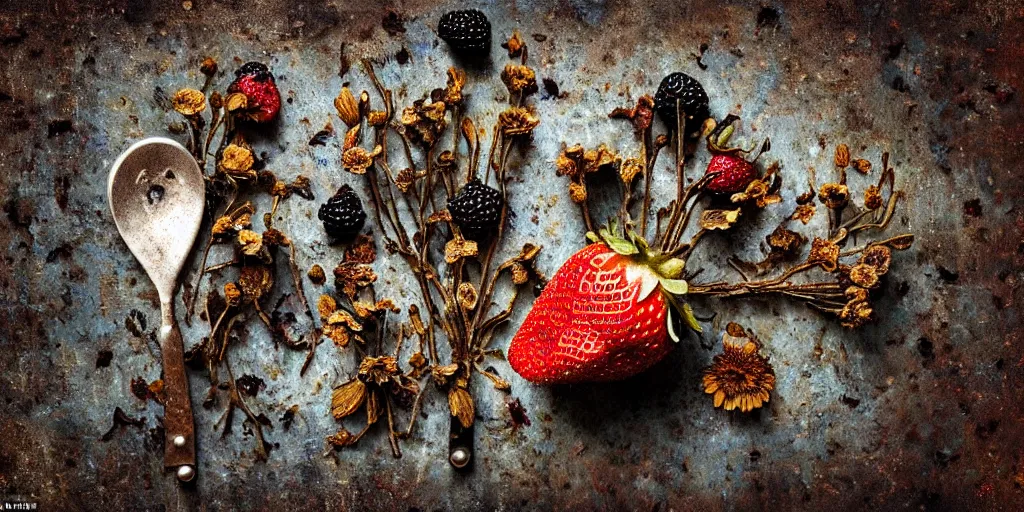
(921, 409)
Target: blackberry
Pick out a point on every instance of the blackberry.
(343, 214)
(257, 70)
(466, 31)
(476, 210)
(693, 100)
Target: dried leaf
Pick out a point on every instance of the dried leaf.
(842, 159)
(347, 398)
(347, 107)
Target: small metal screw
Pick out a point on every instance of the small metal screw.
(459, 457)
(179, 441)
(186, 473)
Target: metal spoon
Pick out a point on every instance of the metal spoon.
(157, 195)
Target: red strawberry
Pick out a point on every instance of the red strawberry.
(603, 316)
(735, 174)
(734, 171)
(257, 83)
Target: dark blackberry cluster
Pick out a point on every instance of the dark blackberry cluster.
(466, 31)
(693, 100)
(343, 215)
(476, 210)
(257, 70)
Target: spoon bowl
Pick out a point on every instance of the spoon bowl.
(157, 195)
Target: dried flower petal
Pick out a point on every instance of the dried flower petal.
(232, 295)
(855, 314)
(236, 101)
(740, 377)
(361, 250)
(873, 198)
(878, 257)
(461, 404)
(718, 219)
(825, 253)
(352, 277)
(856, 294)
(379, 370)
(188, 102)
(347, 107)
(237, 160)
(347, 398)
(457, 249)
(405, 179)
(357, 160)
(377, 117)
(842, 159)
(864, 275)
(565, 166)
(785, 242)
(630, 169)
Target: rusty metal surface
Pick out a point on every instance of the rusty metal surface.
(922, 409)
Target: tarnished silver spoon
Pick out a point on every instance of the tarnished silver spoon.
(157, 196)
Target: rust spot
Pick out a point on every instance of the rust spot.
(973, 208)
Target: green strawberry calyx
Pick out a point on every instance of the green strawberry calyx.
(655, 271)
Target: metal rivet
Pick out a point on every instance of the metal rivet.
(186, 473)
(459, 457)
(179, 441)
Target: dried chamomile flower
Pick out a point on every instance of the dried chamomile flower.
(517, 121)
(467, 296)
(804, 212)
(326, 305)
(825, 253)
(361, 250)
(865, 276)
(630, 169)
(565, 166)
(405, 179)
(232, 295)
(878, 257)
(785, 242)
(316, 274)
(365, 309)
(835, 196)
(251, 242)
(740, 377)
(873, 198)
(188, 102)
(378, 370)
(520, 80)
(520, 275)
(357, 160)
(855, 313)
(255, 281)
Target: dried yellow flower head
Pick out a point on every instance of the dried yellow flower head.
(405, 179)
(630, 169)
(326, 305)
(316, 274)
(862, 166)
(835, 196)
(740, 377)
(565, 166)
(237, 160)
(255, 281)
(514, 45)
(250, 241)
(457, 249)
(357, 160)
(825, 253)
(804, 212)
(873, 198)
(188, 102)
(232, 295)
(785, 241)
(467, 296)
(855, 314)
(519, 273)
(342, 438)
(352, 277)
(878, 257)
(719, 219)
(236, 101)
(377, 117)
(456, 80)
(865, 276)
(577, 192)
(520, 80)
(378, 370)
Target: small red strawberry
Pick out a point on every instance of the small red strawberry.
(734, 171)
(256, 81)
(603, 316)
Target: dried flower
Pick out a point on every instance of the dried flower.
(759, 192)
(250, 241)
(804, 212)
(878, 257)
(514, 45)
(862, 166)
(740, 377)
(842, 156)
(352, 277)
(785, 242)
(357, 160)
(596, 159)
(453, 92)
(457, 249)
(630, 169)
(461, 404)
(377, 117)
(467, 296)
(405, 179)
(718, 219)
(519, 273)
(347, 398)
(856, 294)
(316, 274)
(865, 276)
(378, 370)
(565, 166)
(237, 161)
(835, 196)
(520, 80)
(641, 115)
(208, 67)
(873, 198)
(232, 295)
(825, 253)
(255, 281)
(236, 101)
(517, 121)
(188, 102)
(365, 309)
(577, 192)
(855, 314)
(347, 107)
(342, 438)
(326, 305)
(361, 250)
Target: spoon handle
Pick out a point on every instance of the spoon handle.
(179, 447)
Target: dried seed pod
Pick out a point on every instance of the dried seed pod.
(348, 109)
(461, 404)
(842, 159)
(347, 398)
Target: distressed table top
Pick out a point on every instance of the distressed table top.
(920, 409)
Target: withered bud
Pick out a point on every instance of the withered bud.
(873, 198)
(835, 196)
(457, 249)
(519, 273)
(630, 169)
(377, 117)
(417, 322)
(188, 102)
(405, 178)
(216, 100)
(514, 45)
(232, 295)
(577, 192)
(862, 166)
(825, 253)
(364, 102)
(785, 241)
(517, 121)
(326, 305)
(456, 80)
(250, 241)
(467, 296)
(357, 160)
(316, 275)
(237, 160)
(842, 159)
(865, 276)
(348, 109)
(208, 67)
(520, 80)
(719, 219)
